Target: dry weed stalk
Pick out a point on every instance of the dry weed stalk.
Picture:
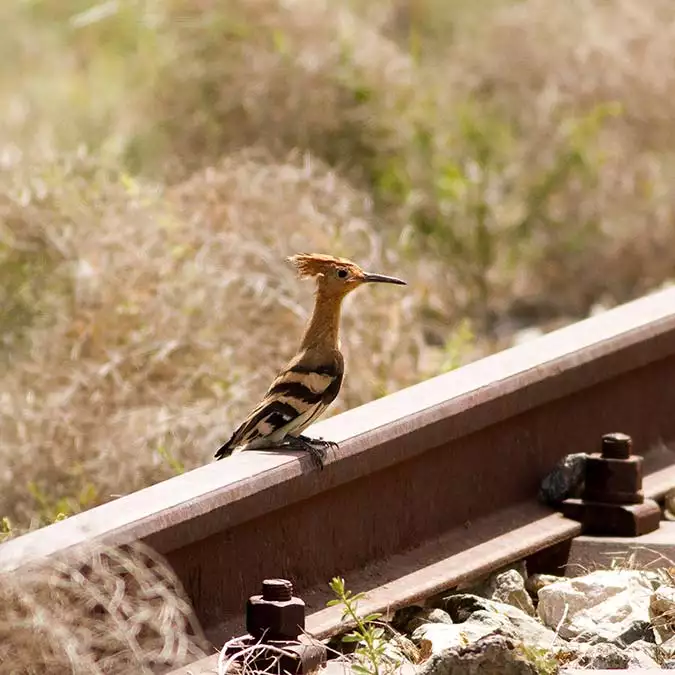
(127, 309)
(107, 610)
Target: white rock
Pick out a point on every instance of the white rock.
(449, 636)
(535, 582)
(492, 655)
(509, 587)
(668, 648)
(603, 656)
(662, 612)
(401, 649)
(603, 603)
(642, 655)
(409, 619)
(488, 617)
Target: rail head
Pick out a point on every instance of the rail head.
(393, 429)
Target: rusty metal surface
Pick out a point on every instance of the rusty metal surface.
(459, 555)
(381, 512)
(618, 520)
(465, 554)
(613, 502)
(275, 614)
(659, 481)
(297, 657)
(413, 467)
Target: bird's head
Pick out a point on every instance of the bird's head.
(336, 276)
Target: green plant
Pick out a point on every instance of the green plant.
(27, 266)
(52, 510)
(165, 453)
(370, 653)
(456, 346)
(488, 200)
(542, 659)
(6, 531)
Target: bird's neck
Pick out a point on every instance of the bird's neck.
(324, 326)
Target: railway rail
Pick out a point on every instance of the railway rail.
(432, 486)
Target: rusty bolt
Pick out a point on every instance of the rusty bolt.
(276, 614)
(613, 502)
(614, 476)
(277, 589)
(616, 446)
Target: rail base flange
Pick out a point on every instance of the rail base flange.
(298, 658)
(620, 520)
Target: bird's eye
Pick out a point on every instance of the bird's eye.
(342, 273)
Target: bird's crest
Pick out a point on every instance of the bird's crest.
(313, 264)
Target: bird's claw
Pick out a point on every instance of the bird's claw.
(316, 447)
(318, 455)
(320, 442)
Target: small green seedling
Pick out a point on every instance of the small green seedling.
(370, 653)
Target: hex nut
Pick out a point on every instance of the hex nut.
(274, 619)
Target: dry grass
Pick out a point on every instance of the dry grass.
(577, 60)
(160, 302)
(105, 611)
(516, 175)
(290, 75)
(521, 152)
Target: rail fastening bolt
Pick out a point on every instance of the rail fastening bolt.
(617, 446)
(277, 589)
(614, 475)
(276, 614)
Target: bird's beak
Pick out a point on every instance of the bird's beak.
(382, 279)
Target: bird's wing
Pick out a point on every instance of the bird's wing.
(297, 397)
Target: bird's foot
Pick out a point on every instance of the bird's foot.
(316, 447)
(322, 443)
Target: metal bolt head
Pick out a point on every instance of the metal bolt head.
(269, 618)
(277, 589)
(617, 446)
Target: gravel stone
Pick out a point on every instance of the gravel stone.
(491, 655)
(565, 480)
(604, 656)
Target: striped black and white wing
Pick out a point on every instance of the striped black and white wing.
(296, 398)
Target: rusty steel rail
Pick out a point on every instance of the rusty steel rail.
(431, 485)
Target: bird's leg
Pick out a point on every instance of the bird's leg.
(316, 449)
(322, 443)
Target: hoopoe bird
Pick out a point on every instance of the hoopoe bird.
(310, 382)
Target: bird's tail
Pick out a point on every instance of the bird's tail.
(225, 450)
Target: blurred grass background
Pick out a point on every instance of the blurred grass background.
(513, 160)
